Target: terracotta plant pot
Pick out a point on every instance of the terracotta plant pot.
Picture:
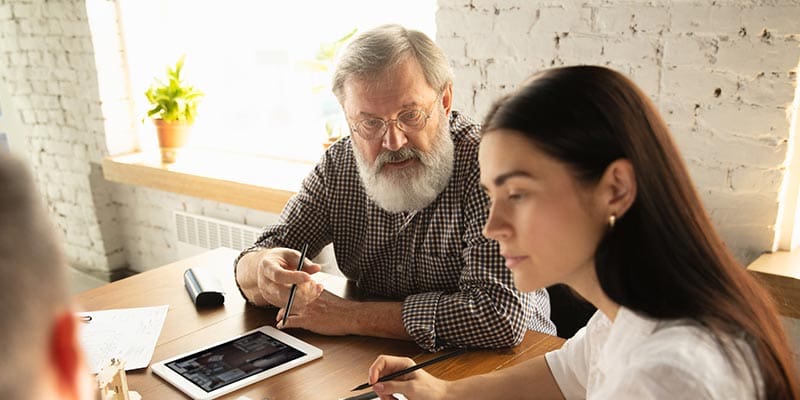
(172, 136)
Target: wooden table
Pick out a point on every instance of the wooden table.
(345, 360)
(779, 272)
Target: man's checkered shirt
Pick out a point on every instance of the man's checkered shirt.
(454, 286)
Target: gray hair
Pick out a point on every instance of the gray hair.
(379, 50)
(33, 286)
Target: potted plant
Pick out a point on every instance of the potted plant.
(174, 109)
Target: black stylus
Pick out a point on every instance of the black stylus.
(412, 369)
(294, 287)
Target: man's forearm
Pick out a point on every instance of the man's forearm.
(381, 319)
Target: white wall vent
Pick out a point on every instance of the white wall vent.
(198, 233)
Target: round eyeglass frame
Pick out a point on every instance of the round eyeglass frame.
(355, 127)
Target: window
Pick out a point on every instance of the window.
(247, 57)
(788, 226)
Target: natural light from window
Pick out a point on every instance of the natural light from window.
(787, 229)
(247, 56)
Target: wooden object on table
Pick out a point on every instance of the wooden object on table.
(780, 273)
(344, 363)
(112, 383)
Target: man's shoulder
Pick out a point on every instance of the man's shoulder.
(466, 136)
(463, 127)
(337, 163)
(339, 149)
(339, 156)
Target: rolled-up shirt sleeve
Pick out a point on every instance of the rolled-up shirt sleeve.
(483, 316)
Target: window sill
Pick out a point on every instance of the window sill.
(260, 183)
(780, 273)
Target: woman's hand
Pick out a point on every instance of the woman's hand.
(414, 385)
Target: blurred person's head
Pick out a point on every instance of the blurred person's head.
(395, 87)
(40, 353)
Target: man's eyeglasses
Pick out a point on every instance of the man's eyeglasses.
(409, 121)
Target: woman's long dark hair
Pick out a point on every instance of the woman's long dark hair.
(663, 258)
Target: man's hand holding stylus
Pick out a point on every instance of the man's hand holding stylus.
(267, 276)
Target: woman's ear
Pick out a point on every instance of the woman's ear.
(618, 186)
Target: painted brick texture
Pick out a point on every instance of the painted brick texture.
(47, 65)
(723, 76)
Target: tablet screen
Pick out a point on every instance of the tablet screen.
(233, 361)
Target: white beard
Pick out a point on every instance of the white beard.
(411, 188)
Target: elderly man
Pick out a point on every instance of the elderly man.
(401, 202)
(41, 356)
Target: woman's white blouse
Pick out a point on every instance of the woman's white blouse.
(636, 357)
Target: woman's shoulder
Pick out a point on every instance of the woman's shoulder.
(677, 342)
(684, 352)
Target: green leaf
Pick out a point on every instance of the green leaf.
(173, 100)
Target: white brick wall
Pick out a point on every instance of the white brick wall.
(47, 65)
(680, 52)
(723, 75)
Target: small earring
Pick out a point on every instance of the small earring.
(612, 219)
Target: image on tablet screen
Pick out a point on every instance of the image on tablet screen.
(234, 361)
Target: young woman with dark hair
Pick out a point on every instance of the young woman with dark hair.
(588, 189)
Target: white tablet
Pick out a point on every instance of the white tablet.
(226, 366)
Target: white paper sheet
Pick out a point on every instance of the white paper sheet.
(129, 334)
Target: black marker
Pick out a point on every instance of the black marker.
(294, 287)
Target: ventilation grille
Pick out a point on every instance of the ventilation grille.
(203, 233)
